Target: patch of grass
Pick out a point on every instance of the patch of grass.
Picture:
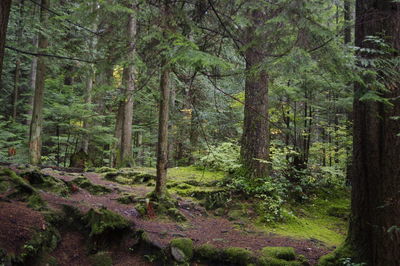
(191, 173)
(313, 222)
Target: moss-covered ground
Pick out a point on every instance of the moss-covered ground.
(315, 220)
(322, 219)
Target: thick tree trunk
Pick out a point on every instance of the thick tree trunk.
(5, 6)
(255, 139)
(162, 145)
(376, 156)
(35, 136)
(255, 127)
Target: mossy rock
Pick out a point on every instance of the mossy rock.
(9, 181)
(207, 252)
(103, 222)
(181, 249)
(237, 256)
(176, 215)
(46, 182)
(94, 189)
(127, 198)
(101, 259)
(284, 253)
(339, 212)
(19, 189)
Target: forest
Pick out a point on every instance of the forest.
(200, 132)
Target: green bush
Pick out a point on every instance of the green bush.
(224, 157)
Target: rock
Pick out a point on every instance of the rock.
(181, 249)
(178, 254)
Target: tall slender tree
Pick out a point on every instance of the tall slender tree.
(125, 113)
(36, 127)
(162, 144)
(374, 225)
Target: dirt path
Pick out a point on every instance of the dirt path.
(200, 227)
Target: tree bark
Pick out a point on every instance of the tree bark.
(5, 6)
(125, 115)
(255, 138)
(88, 100)
(35, 136)
(32, 80)
(162, 145)
(376, 156)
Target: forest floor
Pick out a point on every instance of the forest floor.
(219, 227)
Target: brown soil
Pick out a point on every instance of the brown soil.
(200, 227)
(18, 224)
(71, 249)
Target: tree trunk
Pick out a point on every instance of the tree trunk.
(5, 6)
(17, 73)
(35, 136)
(255, 139)
(88, 100)
(162, 145)
(32, 80)
(255, 126)
(347, 21)
(376, 156)
(125, 115)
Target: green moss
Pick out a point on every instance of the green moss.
(176, 215)
(191, 173)
(141, 208)
(101, 259)
(105, 170)
(46, 182)
(268, 261)
(285, 253)
(236, 215)
(238, 256)
(313, 222)
(335, 258)
(10, 180)
(94, 189)
(207, 252)
(127, 198)
(184, 245)
(36, 202)
(103, 221)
